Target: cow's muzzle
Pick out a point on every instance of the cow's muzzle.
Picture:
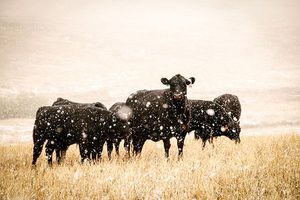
(178, 95)
(237, 140)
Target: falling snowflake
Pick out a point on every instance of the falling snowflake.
(124, 112)
(210, 112)
(148, 104)
(223, 129)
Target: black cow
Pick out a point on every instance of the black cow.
(64, 125)
(210, 119)
(118, 108)
(123, 112)
(61, 149)
(160, 114)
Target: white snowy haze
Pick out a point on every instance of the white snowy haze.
(96, 50)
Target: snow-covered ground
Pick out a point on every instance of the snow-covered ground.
(105, 50)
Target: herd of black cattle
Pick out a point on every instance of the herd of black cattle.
(146, 114)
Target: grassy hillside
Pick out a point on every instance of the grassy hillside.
(262, 167)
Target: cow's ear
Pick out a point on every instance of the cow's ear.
(187, 82)
(192, 80)
(165, 81)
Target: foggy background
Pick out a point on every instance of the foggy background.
(103, 51)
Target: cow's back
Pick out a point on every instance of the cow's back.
(231, 104)
(147, 104)
(61, 101)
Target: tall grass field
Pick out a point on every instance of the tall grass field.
(260, 167)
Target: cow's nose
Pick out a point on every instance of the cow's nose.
(238, 140)
(178, 95)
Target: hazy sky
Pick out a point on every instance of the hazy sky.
(104, 50)
(117, 47)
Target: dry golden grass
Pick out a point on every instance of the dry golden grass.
(261, 167)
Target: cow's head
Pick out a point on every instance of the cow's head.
(234, 131)
(178, 85)
(119, 126)
(226, 125)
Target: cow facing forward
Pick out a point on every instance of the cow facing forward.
(160, 114)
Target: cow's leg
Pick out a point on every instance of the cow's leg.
(94, 148)
(58, 150)
(50, 146)
(203, 143)
(94, 151)
(127, 142)
(211, 141)
(100, 149)
(58, 155)
(138, 146)
(180, 144)
(196, 135)
(109, 148)
(62, 152)
(135, 142)
(84, 151)
(117, 144)
(206, 135)
(38, 140)
(167, 146)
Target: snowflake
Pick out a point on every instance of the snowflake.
(210, 112)
(148, 104)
